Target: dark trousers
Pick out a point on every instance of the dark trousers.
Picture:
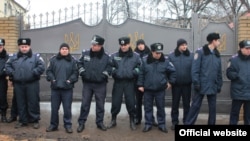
(13, 110)
(159, 98)
(139, 102)
(195, 109)
(99, 90)
(65, 97)
(28, 101)
(3, 95)
(180, 92)
(121, 87)
(235, 111)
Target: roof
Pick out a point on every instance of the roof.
(19, 5)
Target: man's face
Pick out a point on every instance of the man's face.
(96, 47)
(216, 43)
(1, 48)
(183, 47)
(245, 51)
(24, 48)
(125, 47)
(64, 51)
(141, 47)
(156, 55)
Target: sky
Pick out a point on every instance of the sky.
(43, 6)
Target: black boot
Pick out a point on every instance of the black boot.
(11, 119)
(3, 118)
(132, 123)
(112, 123)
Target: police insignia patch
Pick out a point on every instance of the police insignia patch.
(228, 64)
(196, 56)
(48, 64)
(41, 59)
(171, 64)
(86, 58)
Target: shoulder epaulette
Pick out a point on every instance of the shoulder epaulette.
(136, 53)
(114, 53)
(200, 48)
(235, 55)
(52, 56)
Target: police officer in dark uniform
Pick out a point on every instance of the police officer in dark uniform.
(156, 74)
(125, 69)
(3, 81)
(206, 78)
(26, 68)
(94, 68)
(182, 59)
(62, 72)
(238, 72)
(143, 50)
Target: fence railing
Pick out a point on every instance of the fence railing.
(92, 13)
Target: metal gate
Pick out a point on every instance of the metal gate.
(78, 35)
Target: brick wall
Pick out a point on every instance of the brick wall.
(243, 34)
(9, 30)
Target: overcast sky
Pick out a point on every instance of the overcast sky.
(43, 6)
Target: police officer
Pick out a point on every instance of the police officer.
(206, 78)
(62, 73)
(156, 74)
(94, 68)
(143, 50)
(125, 70)
(3, 81)
(26, 68)
(238, 72)
(182, 59)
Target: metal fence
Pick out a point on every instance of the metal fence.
(92, 14)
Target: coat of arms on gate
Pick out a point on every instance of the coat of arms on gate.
(223, 43)
(134, 38)
(73, 40)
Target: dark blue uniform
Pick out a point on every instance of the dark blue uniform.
(125, 71)
(3, 85)
(182, 87)
(207, 80)
(25, 70)
(62, 72)
(139, 94)
(238, 72)
(154, 76)
(94, 69)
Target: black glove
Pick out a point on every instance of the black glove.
(197, 88)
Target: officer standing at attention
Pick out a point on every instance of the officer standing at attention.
(62, 72)
(206, 78)
(3, 81)
(26, 68)
(143, 50)
(156, 74)
(125, 69)
(182, 59)
(238, 72)
(94, 68)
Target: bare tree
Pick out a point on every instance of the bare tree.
(183, 9)
(246, 3)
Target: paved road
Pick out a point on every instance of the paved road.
(121, 132)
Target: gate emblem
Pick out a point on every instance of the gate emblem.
(73, 40)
